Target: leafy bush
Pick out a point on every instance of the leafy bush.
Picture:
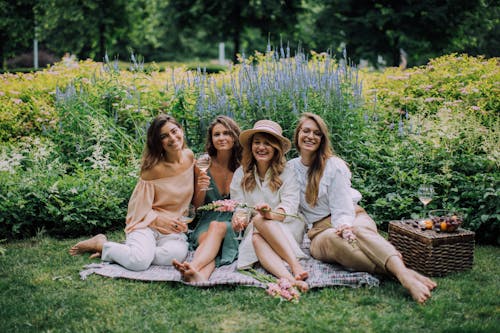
(438, 124)
(71, 142)
(37, 193)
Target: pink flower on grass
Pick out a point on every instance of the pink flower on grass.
(294, 292)
(281, 289)
(286, 294)
(284, 283)
(273, 289)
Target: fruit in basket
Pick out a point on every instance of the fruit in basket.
(443, 226)
(426, 224)
(446, 222)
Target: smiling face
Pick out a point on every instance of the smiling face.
(262, 148)
(222, 138)
(309, 137)
(172, 137)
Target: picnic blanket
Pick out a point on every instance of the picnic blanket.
(320, 274)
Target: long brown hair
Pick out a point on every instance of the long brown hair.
(234, 131)
(278, 162)
(324, 152)
(153, 151)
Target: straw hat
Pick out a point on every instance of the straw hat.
(266, 126)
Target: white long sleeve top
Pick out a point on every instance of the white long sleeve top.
(336, 197)
(286, 197)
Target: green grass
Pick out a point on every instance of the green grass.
(41, 292)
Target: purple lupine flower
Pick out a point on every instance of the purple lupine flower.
(401, 128)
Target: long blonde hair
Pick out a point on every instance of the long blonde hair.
(320, 158)
(278, 162)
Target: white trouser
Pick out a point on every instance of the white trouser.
(144, 247)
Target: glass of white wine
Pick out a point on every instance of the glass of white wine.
(241, 216)
(203, 162)
(188, 216)
(425, 193)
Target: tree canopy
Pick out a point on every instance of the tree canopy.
(191, 29)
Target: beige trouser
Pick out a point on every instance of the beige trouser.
(369, 253)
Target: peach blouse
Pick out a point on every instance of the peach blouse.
(168, 196)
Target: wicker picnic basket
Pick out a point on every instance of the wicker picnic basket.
(432, 253)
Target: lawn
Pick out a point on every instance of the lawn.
(42, 292)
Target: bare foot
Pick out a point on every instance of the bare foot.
(418, 290)
(302, 276)
(192, 275)
(302, 285)
(299, 273)
(424, 279)
(178, 266)
(93, 244)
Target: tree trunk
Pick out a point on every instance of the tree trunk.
(102, 41)
(236, 43)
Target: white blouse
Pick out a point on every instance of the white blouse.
(336, 197)
(286, 197)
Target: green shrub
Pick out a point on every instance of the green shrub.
(36, 193)
(72, 134)
(438, 124)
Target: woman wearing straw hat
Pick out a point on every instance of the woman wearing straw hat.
(330, 204)
(265, 182)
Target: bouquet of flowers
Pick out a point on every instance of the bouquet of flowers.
(277, 288)
(228, 205)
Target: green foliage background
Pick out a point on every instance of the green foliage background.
(182, 30)
(72, 135)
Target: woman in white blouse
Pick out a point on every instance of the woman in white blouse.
(266, 182)
(330, 204)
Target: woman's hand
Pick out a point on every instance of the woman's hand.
(264, 210)
(203, 180)
(172, 225)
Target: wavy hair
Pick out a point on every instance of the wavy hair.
(278, 162)
(234, 131)
(320, 158)
(153, 151)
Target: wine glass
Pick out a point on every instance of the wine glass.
(203, 162)
(242, 216)
(425, 193)
(188, 216)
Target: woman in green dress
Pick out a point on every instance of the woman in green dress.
(214, 238)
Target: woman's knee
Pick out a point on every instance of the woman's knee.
(139, 261)
(258, 220)
(217, 228)
(174, 250)
(257, 239)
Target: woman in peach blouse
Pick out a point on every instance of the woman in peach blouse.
(154, 232)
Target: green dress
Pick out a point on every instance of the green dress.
(229, 249)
